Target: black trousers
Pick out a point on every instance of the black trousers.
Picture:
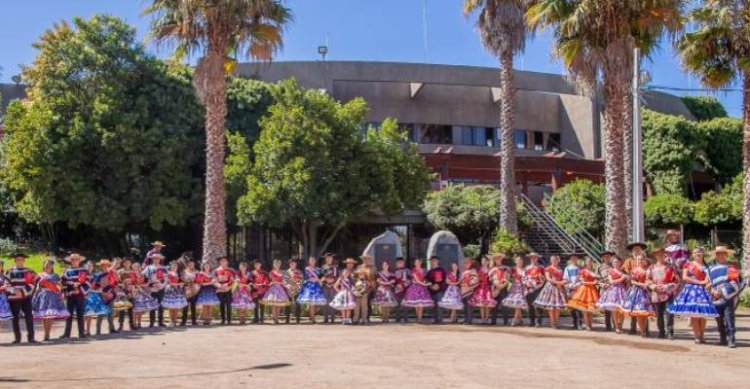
(259, 313)
(499, 308)
(294, 307)
(661, 312)
(76, 306)
(725, 321)
(535, 314)
(17, 307)
(468, 310)
(577, 318)
(159, 296)
(436, 297)
(193, 314)
(399, 311)
(369, 304)
(225, 306)
(329, 314)
(608, 320)
(129, 313)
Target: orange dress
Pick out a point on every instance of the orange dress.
(587, 295)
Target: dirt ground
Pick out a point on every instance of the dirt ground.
(411, 356)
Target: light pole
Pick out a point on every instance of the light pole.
(636, 149)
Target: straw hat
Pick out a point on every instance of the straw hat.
(672, 232)
(721, 249)
(104, 262)
(158, 243)
(75, 256)
(607, 252)
(657, 251)
(350, 260)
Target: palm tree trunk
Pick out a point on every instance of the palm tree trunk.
(746, 173)
(615, 219)
(210, 83)
(508, 217)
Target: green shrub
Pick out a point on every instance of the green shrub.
(7, 247)
(704, 107)
(507, 243)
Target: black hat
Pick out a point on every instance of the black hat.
(637, 244)
(571, 255)
(329, 254)
(608, 252)
(20, 255)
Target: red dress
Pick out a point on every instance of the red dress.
(482, 296)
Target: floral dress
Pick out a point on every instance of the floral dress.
(207, 293)
(615, 295)
(344, 299)
(5, 312)
(452, 296)
(312, 290)
(417, 294)
(482, 296)
(276, 295)
(384, 295)
(242, 297)
(47, 303)
(694, 300)
(174, 293)
(515, 298)
(638, 302)
(142, 299)
(552, 296)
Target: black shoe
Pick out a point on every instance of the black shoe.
(671, 336)
(732, 344)
(64, 337)
(722, 342)
(17, 341)
(113, 330)
(662, 335)
(32, 341)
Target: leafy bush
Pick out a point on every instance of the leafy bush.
(716, 208)
(579, 203)
(471, 250)
(7, 247)
(507, 243)
(704, 107)
(668, 209)
(724, 135)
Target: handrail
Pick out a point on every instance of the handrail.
(590, 239)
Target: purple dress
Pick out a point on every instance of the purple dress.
(276, 295)
(47, 303)
(417, 294)
(384, 295)
(614, 296)
(515, 298)
(344, 299)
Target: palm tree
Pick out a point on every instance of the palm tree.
(502, 27)
(718, 51)
(217, 29)
(595, 40)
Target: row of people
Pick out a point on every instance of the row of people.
(635, 289)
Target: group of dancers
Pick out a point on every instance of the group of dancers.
(675, 283)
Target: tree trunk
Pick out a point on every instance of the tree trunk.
(746, 174)
(508, 217)
(210, 83)
(615, 220)
(628, 161)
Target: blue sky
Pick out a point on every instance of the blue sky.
(383, 30)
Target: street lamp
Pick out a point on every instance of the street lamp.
(323, 50)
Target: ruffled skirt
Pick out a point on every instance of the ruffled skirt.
(515, 298)
(144, 302)
(174, 298)
(242, 299)
(276, 296)
(48, 305)
(312, 294)
(551, 297)
(385, 297)
(95, 306)
(637, 304)
(693, 301)
(5, 312)
(417, 296)
(344, 300)
(482, 297)
(451, 298)
(612, 298)
(207, 296)
(584, 299)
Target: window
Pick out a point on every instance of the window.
(553, 142)
(520, 139)
(435, 134)
(476, 136)
(538, 141)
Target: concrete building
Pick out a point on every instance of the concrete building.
(452, 112)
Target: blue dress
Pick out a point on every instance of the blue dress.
(47, 303)
(693, 300)
(174, 296)
(95, 305)
(5, 313)
(312, 291)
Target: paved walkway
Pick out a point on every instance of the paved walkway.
(411, 356)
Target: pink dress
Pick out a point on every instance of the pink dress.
(417, 294)
(482, 296)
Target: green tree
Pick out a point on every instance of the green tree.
(724, 150)
(509, 244)
(595, 40)
(89, 151)
(718, 51)
(704, 107)
(316, 169)
(723, 207)
(579, 205)
(470, 212)
(503, 30)
(668, 209)
(672, 145)
(217, 29)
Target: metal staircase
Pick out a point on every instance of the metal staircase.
(547, 237)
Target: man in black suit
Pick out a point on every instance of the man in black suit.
(437, 279)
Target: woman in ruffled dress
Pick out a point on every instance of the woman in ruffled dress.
(385, 297)
(174, 294)
(638, 303)
(694, 301)
(452, 300)
(276, 297)
(515, 298)
(482, 297)
(344, 301)
(586, 296)
(614, 296)
(95, 306)
(312, 293)
(47, 303)
(5, 312)
(143, 302)
(417, 296)
(552, 296)
(207, 298)
(242, 299)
